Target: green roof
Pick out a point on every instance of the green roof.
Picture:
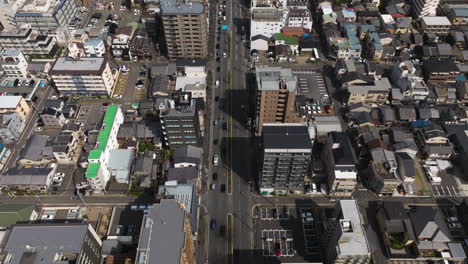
(92, 170)
(287, 40)
(10, 214)
(103, 136)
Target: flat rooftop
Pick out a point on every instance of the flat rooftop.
(9, 102)
(287, 137)
(353, 239)
(44, 7)
(181, 7)
(78, 66)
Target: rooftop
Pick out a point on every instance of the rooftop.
(9, 102)
(353, 239)
(80, 66)
(342, 150)
(287, 137)
(41, 242)
(181, 7)
(436, 21)
(162, 237)
(274, 78)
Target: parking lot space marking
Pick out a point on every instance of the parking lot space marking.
(278, 242)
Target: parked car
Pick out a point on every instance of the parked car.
(215, 159)
(213, 224)
(215, 176)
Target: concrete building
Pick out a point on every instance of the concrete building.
(15, 104)
(53, 243)
(187, 156)
(48, 16)
(38, 151)
(14, 64)
(439, 25)
(411, 83)
(4, 155)
(339, 159)
(344, 239)
(166, 236)
(423, 8)
(185, 26)
(440, 71)
(179, 118)
(120, 45)
(276, 96)
(266, 21)
(94, 47)
(28, 41)
(186, 195)
(458, 16)
(381, 173)
(193, 81)
(98, 173)
(120, 164)
(8, 9)
(86, 76)
(287, 150)
(11, 127)
(374, 93)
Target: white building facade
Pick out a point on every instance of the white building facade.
(87, 76)
(14, 64)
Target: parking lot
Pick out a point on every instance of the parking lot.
(311, 84)
(447, 187)
(287, 233)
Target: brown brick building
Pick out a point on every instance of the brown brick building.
(185, 28)
(276, 95)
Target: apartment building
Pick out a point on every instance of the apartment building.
(11, 127)
(14, 64)
(267, 21)
(276, 95)
(439, 25)
(423, 8)
(15, 104)
(28, 41)
(405, 76)
(47, 15)
(185, 26)
(165, 235)
(339, 159)
(52, 243)
(344, 239)
(8, 9)
(287, 150)
(94, 47)
(375, 93)
(441, 71)
(179, 119)
(87, 76)
(97, 172)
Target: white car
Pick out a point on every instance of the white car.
(215, 160)
(117, 96)
(217, 83)
(57, 179)
(38, 128)
(60, 174)
(224, 55)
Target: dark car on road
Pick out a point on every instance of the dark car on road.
(217, 98)
(224, 126)
(223, 187)
(213, 224)
(215, 142)
(222, 230)
(215, 176)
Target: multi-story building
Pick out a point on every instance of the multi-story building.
(440, 71)
(94, 47)
(439, 25)
(381, 173)
(423, 8)
(276, 95)
(121, 43)
(8, 9)
(15, 104)
(375, 93)
(179, 118)
(11, 127)
(29, 41)
(14, 64)
(345, 239)
(48, 16)
(267, 21)
(339, 159)
(165, 235)
(89, 76)
(52, 243)
(406, 77)
(185, 28)
(287, 150)
(97, 172)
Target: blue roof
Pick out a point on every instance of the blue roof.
(28, 14)
(12, 53)
(420, 123)
(367, 28)
(349, 13)
(463, 12)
